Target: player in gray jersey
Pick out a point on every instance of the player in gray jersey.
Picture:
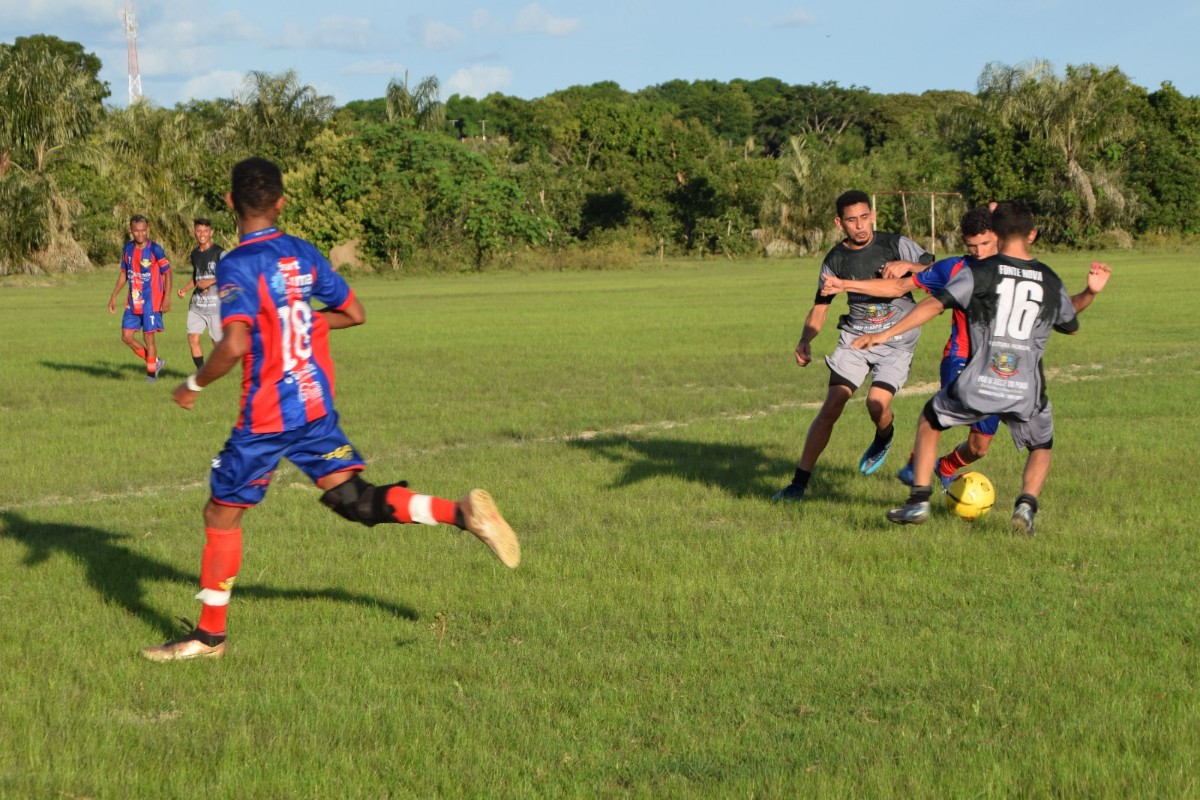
(859, 256)
(204, 312)
(1012, 303)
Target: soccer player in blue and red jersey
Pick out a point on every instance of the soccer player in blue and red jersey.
(267, 286)
(901, 277)
(144, 266)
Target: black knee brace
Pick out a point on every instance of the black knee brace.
(361, 502)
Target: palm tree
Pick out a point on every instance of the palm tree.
(275, 116)
(419, 105)
(51, 98)
(1079, 115)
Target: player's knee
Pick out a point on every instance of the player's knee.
(360, 501)
(978, 446)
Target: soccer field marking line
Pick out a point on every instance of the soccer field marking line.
(1069, 373)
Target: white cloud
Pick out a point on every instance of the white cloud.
(481, 20)
(51, 12)
(796, 19)
(479, 80)
(346, 34)
(436, 35)
(535, 19)
(219, 83)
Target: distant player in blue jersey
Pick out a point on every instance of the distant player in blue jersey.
(147, 272)
(902, 277)
(267, 287)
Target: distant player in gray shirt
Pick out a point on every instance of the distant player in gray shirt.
(861, 255)
(1012, 303)
(204, 312)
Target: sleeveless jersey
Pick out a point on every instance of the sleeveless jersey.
(269, 282)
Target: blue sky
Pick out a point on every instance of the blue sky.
(351, 48)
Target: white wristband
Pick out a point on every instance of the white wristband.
(192, 385)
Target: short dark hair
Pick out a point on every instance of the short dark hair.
(257, 183)
(1012, 219)
(976, 221)
(851, 198)
(205, 221)
(136, 218)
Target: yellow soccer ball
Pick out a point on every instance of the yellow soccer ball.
(970, 495)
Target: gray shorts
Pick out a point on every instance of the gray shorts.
(200, 318)
(1039, 430)
(889, 363)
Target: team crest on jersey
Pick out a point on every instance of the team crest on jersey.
(1005, 364)
(229, 292)
(878, 313)
(145, 263)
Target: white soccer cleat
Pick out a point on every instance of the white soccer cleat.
(482, 518)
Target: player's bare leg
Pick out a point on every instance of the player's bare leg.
(1037, 467)
(916, 509)
(819, 433)
(153, 363)
(966, 453)
(879, 406)
(129, 337)
(197, 352)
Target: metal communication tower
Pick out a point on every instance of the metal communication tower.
(135, 75)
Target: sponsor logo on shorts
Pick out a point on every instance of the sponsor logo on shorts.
(1005, 364)
(229, 292)
(216, 462)
(343, 453)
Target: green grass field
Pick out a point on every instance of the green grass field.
(670, 633)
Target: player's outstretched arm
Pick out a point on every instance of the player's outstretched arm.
(924, 311)
(900, 269)
(1097, 279)
(228, 352)
(873, 287)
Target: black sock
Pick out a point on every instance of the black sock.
(1029, 500)
(198, 361)
(920, 494)
(884, 435)
(210, 639)
(801, 478)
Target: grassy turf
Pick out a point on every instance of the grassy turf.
(670, 632)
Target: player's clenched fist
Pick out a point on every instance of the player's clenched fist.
(803, 353)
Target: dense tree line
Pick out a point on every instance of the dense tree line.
(589, 174)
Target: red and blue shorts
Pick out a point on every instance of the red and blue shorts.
(149, 321)
(242, 471)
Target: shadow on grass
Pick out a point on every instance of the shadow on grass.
(738, 470)
(112, 371)
(119, 574)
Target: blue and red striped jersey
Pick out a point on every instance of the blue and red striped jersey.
(934, 279)
(144, 267)
(269, 282)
